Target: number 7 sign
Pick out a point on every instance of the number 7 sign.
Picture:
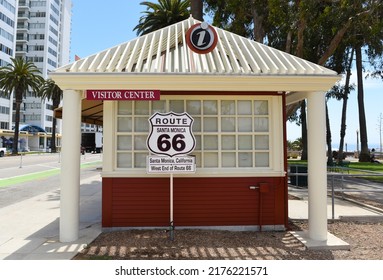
(171, 134)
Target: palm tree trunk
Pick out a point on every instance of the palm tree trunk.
(328, 139)
(304, 130)
(53, 139)
(16, 132)
(344, 108)
(364, 153)
(196, 7)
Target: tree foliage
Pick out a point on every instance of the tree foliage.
(17, 78)
(320, 31)
(162, 14)
(50, 90)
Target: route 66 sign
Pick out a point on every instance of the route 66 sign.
(201, 38)
(171, 134)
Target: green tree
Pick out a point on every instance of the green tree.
(50, 90)
(18, 77)
(162, 14)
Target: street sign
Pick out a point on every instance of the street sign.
(201, 38)
(122, 94)
(171, 134)
(166, 165)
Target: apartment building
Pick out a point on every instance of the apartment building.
(8, 21)
(43, 37)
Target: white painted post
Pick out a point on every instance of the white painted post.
(70, 167)
(317, 169)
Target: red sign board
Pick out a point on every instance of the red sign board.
(122, 94)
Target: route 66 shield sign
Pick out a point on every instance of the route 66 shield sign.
(171, 134)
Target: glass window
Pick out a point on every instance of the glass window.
(193, 107)
(210, 124)
(261, 124)
(210, 107)
(261, 107)
(141, 108)
(228, 124)
(228, 133)
(210, 142)
(177, 106)
(244, 107)
(124, 142)
(228, 107)
(228, 142)
(124, 124)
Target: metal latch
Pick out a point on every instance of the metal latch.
(253, 187)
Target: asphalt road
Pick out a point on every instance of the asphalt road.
(22, 177)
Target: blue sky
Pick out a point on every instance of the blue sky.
(98, 25)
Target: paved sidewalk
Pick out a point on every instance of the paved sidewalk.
(30, 229)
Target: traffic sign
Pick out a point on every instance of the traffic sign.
(171, 134)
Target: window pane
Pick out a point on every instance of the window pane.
(140, 142)
(261, 124)
(228, 124)
(245, 142)
(210, 107)
(193, 107)
(244, 107)
(140, 160)
(262, 159)
(244, 125)
(210, 124)
(261, 142)
(210, 142)
(211, 160)
(141, 108)
(227, 107)
(228, 159)
(245, 159)
(159, 106)
(124, 124)
(196, 125)
(141, 125)
(228, 142)
(124, 142)
(198, 158)
(125, 108)
(177, 106)
(124, 160)
(261, 107)
(197, 142)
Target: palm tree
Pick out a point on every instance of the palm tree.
(50, 90)
(18, 78)
(196, 8)
(162, 14)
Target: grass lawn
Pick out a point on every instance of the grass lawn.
(355, 168)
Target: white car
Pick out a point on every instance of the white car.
(2, 151)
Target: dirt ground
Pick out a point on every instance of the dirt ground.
(365, 241)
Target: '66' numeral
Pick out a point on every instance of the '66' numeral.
(165, 143)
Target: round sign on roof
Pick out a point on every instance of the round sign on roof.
(201, 38)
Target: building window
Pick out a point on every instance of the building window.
(229, 133)
(4, 125)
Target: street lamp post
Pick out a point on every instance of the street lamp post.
(357, 143)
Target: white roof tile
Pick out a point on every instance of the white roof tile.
(165, 51)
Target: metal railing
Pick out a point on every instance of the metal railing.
(337, 181)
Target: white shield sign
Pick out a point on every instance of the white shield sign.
(171, 134)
